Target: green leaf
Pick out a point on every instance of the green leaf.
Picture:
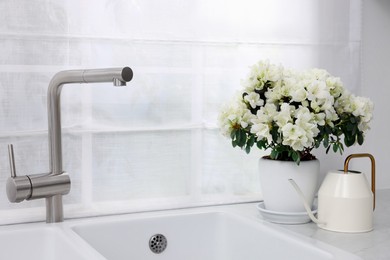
(298, 160)
(328, 130)
(354, 130)
(335, 147)
(274, 154)
(274, 133)
(341, 148)
(243, 138)
(251, 141)
(326, 141)
(233, 133)
(295, 156)
(360, 138)
(348, 140)
(247, 149)
(238, 134)
(240, 138)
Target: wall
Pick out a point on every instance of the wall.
(375, 56)
(154, 144)
(375, 68)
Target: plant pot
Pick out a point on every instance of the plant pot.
(278, 194)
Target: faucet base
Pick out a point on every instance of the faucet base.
(54, 209)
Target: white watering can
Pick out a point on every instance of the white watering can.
(345, 199)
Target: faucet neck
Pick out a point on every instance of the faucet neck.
(118, 76)
(54, 115)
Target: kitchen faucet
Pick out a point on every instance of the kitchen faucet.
(53, 185)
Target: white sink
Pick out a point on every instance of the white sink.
(43, 243)
(201, 236)
(230, 232)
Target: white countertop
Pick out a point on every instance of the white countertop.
(374, 245)
(370, 245)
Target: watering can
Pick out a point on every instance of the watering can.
(345, 199)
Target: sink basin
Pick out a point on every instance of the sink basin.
(43, 243)
(201, 236)
(231, 232)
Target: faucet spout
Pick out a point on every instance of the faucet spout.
(118, 76)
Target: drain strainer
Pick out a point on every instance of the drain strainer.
(158, 243)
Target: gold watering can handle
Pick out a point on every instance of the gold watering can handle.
(360, 155)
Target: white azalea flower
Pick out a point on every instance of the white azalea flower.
(233, 115)
(330, 117)
(261, 130)
(317, 90)
(246, 118)
(254, 100)
(252, 83)
(327, 103)
(269, 72)
(315, 106)
(306, 121)
(261, 73)
(298, 94)
(317, 74)
(343, 103)
(362, 107)
(284, 116)
(274, 95)
(294, 137)
(335, 86)
(359, 106)
(267, 113)
(319, 118)
(305, 103)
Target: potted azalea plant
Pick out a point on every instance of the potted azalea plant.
(289, 113)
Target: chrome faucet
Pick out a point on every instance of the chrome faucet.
(53, 185)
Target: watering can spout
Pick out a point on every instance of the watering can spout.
(305, 203)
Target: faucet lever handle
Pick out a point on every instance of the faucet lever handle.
(11, 160)
(18, 188)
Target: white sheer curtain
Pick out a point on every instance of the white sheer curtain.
(153, 144)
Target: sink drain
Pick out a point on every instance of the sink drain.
(158, 243)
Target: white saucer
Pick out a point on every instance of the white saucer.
(284, 217)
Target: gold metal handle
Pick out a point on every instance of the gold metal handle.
(360, 155)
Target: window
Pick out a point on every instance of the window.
(155, 143)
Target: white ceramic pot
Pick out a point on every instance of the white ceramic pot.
(278, 194)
